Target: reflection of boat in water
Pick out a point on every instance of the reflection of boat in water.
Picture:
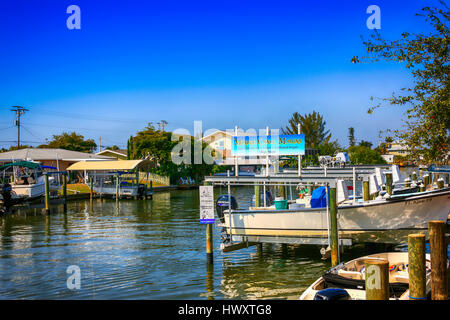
(26, 179)
(347, 280)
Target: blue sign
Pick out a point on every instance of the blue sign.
(286, 144)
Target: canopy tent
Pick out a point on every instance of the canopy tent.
(118, 165)
(25, 164)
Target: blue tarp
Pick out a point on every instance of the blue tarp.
(319, 198)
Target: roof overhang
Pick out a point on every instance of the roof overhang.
(116, 165)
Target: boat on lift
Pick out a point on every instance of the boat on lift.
(26, 179)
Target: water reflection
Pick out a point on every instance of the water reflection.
(145, 249)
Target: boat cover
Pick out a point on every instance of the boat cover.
(25, 164)
(319, 198)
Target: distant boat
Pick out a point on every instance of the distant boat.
(346, 281)
(27, 179)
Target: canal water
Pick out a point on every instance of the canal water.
(145, 249)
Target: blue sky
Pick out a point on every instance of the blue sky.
(225, 62)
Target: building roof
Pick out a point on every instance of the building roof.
(229, 133)
(38, 154)
(115, 165)
(119, 152)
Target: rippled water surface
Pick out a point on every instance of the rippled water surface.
(146, 249)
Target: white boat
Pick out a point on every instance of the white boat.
(385, 219)
(26, 179)
(346, 281)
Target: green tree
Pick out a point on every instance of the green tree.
(312, 125)
(366, 144)
(22, 146)
(364, 155)
(351, 136)
(71, 141)
(329, 148)
(157, 145)
(427, 124)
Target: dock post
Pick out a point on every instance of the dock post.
(209, 240)
(91, 188)
(65, 191)
(377, 279)
(438, 255)
(414, 177)
(365, 189)
(334, 236)
(282, 191)
(257, 195)
(117, 187)
(416, 268)
(47, 194)
(440, 183)
(426, 180)
(407, 182)
(389, 183)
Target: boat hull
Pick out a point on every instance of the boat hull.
(388, 221)
(28, 191)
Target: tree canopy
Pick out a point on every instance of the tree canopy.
(426, 56)
(71, 141)
(312, 125)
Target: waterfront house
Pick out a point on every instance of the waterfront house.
(119, 154)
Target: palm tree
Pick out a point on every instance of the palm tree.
(312, 125)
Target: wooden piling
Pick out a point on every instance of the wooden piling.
(416, 267)
(257, 195)
(440, 183)
(91, 188)
(389, 183)
(366, 190)
(438, 255)
(47, 194)
(282, 191)
(65, 191)
(414, 176)
(209, 240)
(377, 279)
(407, 182)
(117, 188)
(334, 236)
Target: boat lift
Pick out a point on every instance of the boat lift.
(310, 178)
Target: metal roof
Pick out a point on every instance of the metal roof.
(115, 165)
(37, 154)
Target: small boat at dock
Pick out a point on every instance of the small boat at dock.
(346, 281)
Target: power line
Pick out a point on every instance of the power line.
(19, 112)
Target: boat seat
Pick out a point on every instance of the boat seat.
(350, 274)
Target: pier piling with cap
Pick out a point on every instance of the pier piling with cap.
(389, 183)
(47, 194)
(416, 267)
(438, 255)
(377, 279)
(334, 236)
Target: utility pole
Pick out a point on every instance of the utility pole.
(100, 144)
(19, 111)
(163, 124)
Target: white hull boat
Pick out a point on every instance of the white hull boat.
(347, 280)
(387, 220)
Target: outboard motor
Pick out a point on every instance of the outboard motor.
(332, 294)
(5, 191)
(222, 205)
